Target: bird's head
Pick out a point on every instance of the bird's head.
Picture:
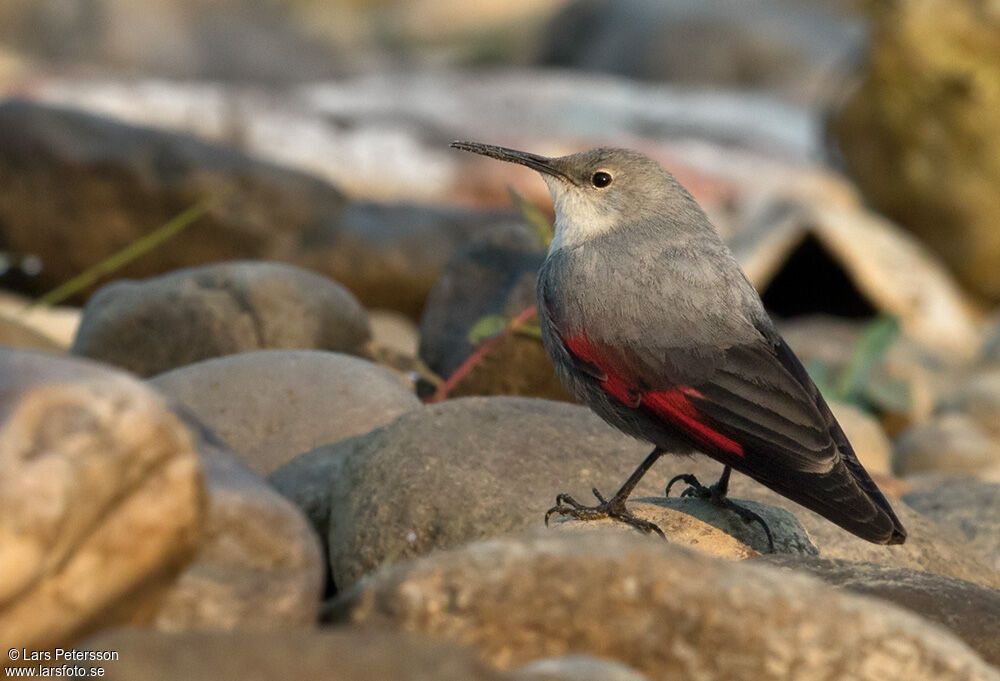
(597, 191)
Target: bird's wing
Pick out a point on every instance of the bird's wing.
(753, 407)
(743, 397)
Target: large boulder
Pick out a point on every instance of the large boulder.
(479, 467)
(102, 499)
(919, 134)
(119, 182)
(165, 322)
(666, 611)
(370, 494)
(970, 611)
(272, 405)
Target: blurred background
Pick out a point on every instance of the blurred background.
(848, 150)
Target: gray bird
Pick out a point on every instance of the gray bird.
(650, 321)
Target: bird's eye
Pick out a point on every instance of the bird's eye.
(601, 179)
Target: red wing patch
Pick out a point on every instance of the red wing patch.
(585, 350)
(673, 405)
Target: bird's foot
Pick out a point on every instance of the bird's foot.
(613, 508)
(718, 497)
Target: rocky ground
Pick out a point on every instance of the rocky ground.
(302, 440)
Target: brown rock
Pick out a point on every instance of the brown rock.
(101, 499)
(272, 405)
(56, 323)
(17, 335)
(120, 182)
(965, 504)
(329, 655)
(919, 134)
(666, 611)
(979, 399)
(886, 270)
(194, 314)
(260, 566)
(970, 611)
(951, 442)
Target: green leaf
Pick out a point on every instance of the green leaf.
(530, 331)
(487, 327)
(868, 354)
(137, 248)
(534, 217)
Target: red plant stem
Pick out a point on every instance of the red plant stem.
(479, 355)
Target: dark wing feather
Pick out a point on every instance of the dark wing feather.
(753, 407)
(761, 397)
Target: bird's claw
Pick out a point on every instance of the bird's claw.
(694, 489)
(699, 491)
(607, 508)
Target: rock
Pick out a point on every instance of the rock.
(494, 276)
(928, 547)
(800, 50)
(56, 323)
(101, 494)
(576, 668)
(951, 442)
(919, 134)
(457, 471)
(379, 137)
(177, 319)
(394, 332)
(970, 506)
(390, 255)
(272, 405)
(15, 334)
(866, 436)
(701, 525)
(455, 452)
(329, 655)
(979, 399)
(668, 612)
(120, 182)
(864, 265)
(306, 481)
(226, 40)
(261, 565)
(969, 611)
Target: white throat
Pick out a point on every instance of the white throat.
(578, 220)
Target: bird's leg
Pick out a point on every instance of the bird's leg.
(717, 495)
(610, 508)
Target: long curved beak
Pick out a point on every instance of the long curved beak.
(542, 164)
